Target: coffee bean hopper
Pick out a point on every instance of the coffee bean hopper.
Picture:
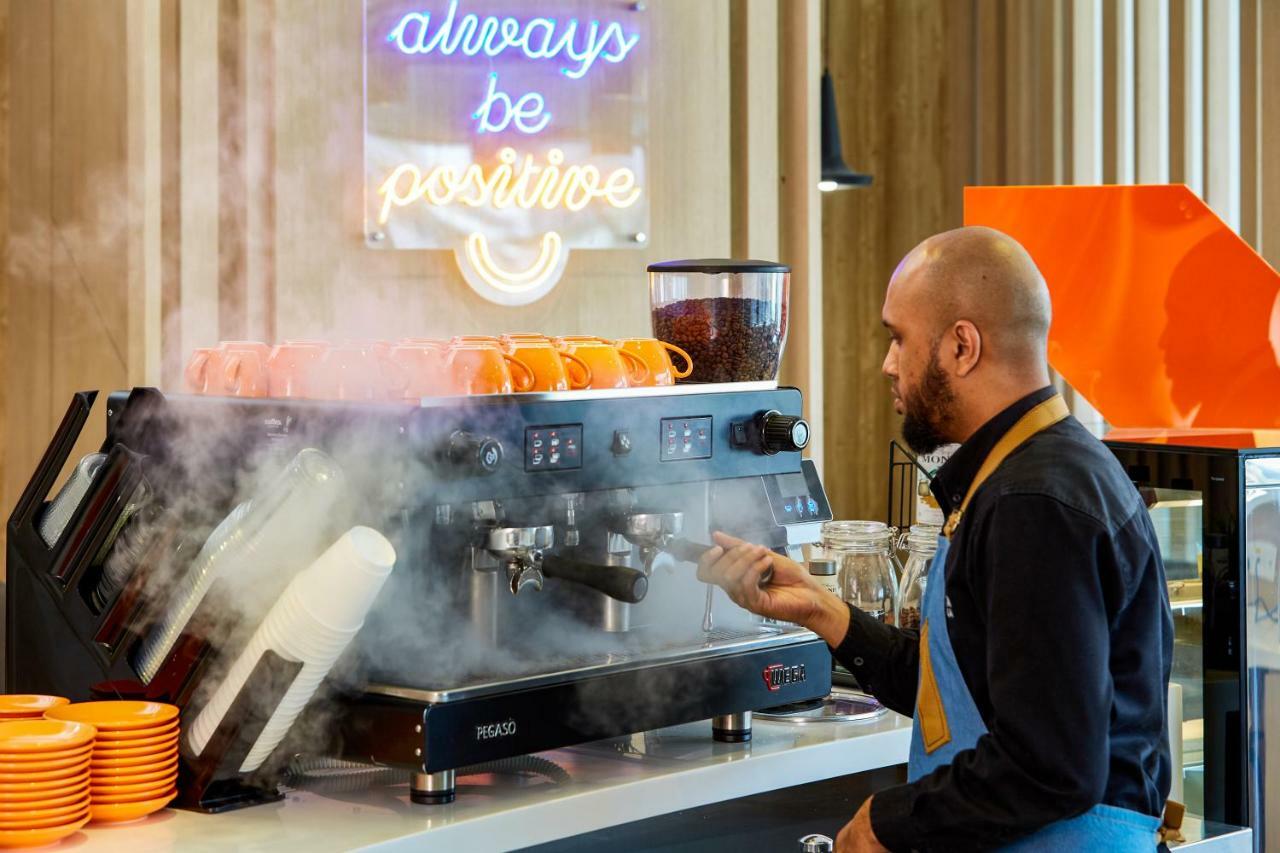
(729, 315)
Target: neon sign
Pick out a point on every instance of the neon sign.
(472, 35)
(525, 186)
(506, 132)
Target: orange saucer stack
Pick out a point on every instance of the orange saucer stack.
(44, 780)
(27, 706)
(134, 766)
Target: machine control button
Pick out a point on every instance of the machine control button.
(621, 442)
(553, 448)
(686, 439)
(779, 432)
(474, 453)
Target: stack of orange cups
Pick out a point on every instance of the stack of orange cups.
(44, 780)
(134, 767)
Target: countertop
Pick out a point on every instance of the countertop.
(613, 782)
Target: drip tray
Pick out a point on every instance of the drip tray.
(841, 706)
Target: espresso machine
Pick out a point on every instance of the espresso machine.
(544, 593)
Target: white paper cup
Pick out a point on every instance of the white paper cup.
(342, 584)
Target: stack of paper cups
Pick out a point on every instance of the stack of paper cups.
(63, 506)
(312, 622)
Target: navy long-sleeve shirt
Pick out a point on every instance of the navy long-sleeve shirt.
(1059, 616)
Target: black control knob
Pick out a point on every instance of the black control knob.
(474, 453)
(779, 432)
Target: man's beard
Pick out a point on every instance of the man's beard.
(929, 411)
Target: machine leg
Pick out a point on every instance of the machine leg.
(732, 728)
(432, 789)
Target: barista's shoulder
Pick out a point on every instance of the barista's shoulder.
(1070, 465)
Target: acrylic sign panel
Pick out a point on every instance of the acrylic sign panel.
(1162, 316)
(509, 131)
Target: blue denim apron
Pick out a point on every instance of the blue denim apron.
(947, 720)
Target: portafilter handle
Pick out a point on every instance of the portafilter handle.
(692, 552)
(621, 582)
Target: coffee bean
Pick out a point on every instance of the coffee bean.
(729, 339)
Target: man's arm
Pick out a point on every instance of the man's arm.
(884, 659)
(1038, 580)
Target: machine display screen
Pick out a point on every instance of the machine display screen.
(797, 497)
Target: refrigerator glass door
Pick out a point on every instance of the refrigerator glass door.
(1262, 624)
(1177, 515)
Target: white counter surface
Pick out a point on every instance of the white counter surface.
(652, 774)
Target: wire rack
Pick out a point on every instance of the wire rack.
(904, 469)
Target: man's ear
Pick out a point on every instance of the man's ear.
(967, 343)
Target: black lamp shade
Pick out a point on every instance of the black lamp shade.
(835, 174)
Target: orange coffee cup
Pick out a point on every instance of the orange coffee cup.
(238, 369)
(422, 369)
(553, 369)
(353, 371)
(656, 355)
(476, 339)
(482, 368)
(291, 368)
(196, 373)
(610, 366)
(512, 338)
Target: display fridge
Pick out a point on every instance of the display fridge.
(1215, 506)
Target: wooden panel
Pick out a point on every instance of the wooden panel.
(1222, 109)
(198, 171)
(89, 207)
(30, 245)
(1269, 133)
(1152, 127)
(754, 74)
(5, 189)
(905, 83)
(1248, 68)
(327, 282)
(70, 214)
(800, 235)
(1178, 73)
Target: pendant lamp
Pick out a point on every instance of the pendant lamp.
(835, 174)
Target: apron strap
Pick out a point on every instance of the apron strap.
(1043, 416)
(1171, 826)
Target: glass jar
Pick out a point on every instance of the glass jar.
(868, 568)
(730, 316)
(921, 544)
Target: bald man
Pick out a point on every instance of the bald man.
(1039, 676)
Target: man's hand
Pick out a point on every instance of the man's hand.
(857, 837)
(790, 596)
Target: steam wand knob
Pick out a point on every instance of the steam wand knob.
(779, 432)
(474, 453)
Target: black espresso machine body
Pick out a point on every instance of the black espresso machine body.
(544, 592)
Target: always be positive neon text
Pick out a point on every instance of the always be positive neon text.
(537, 38)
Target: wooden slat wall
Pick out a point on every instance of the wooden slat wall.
(1059, 91)
(904, 76)
(933, 94)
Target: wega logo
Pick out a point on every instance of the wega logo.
(489, 731)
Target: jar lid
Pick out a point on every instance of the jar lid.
(923, 537)
(874, 535)
(822, 566)
(719, 265)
